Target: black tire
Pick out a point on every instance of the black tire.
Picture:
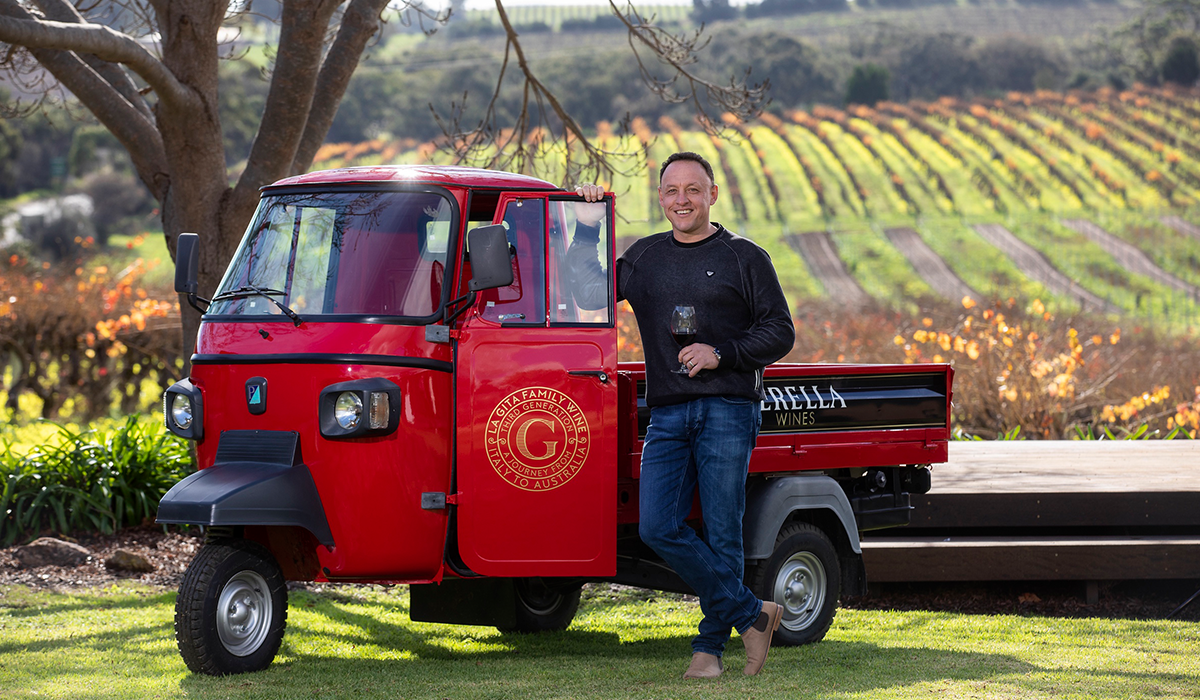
(542, 606)
(231, 610)
(804, 576)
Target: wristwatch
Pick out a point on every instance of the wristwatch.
(717, 354)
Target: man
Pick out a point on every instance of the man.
(703, 424)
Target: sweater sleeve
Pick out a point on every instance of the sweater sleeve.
(771, 334)
(589, 283)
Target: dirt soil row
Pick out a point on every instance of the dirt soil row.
(170, 552)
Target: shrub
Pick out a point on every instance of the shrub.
(533, 28)
(705, 11)
(89, 480)
(1015, 367)
(1019, 372)
(84, 336)
(464, 29)
(1019, 63)
(1181, 64)
(868, 85)
(774, 8)
(63, 225)
(599, 23)
(117, 200)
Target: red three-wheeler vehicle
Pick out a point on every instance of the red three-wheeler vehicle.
(393, 384)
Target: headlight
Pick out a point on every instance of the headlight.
(359, 408)
(347, 410)
(181, 411)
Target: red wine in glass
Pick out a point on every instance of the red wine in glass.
(684, 338)
(683, 330)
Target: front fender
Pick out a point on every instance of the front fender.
(257, 480)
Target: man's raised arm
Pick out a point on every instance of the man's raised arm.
(589, 283)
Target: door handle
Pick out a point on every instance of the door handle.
(597, 373)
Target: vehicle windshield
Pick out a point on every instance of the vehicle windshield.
(342, 253)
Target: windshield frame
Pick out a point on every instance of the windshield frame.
(352, 188)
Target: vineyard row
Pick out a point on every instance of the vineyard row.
(941, 167)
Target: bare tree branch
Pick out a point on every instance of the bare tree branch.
(543, 127)
(417, 10)
(303, 28)
(360, 22)
(62, 11)
(678, 52)
(137, 134)
(104, 43)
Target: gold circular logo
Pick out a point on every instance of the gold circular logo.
(537, 439)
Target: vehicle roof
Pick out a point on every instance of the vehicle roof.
(433, 174)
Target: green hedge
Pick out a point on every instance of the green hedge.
(89, 480)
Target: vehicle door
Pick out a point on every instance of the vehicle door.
(537, 398)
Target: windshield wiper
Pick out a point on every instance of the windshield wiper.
(248, 289)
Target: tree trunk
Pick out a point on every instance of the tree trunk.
(197, 184)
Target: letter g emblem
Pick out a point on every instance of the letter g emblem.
(523, 445)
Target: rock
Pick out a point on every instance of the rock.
(47, 551)
(125, 560)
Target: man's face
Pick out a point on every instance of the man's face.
(686, 194)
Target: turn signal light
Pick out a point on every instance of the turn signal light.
(380, 410)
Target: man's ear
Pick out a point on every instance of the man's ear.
(713, 196)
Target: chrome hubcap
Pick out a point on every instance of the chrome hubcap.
(244, 613)
(800, 587)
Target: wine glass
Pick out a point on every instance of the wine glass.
(683, 330)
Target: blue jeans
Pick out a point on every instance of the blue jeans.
(703, 445)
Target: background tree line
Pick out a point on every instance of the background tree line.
(906, 63)
(393, 89)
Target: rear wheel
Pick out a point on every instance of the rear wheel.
(803, 576)
(231, 610)
(542, 606)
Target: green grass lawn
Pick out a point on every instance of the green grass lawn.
(359, 642)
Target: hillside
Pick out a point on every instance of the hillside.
(1082, 201)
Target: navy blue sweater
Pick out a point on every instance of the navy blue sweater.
(740, 308)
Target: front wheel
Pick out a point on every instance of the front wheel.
(804, 577)
(231, 610)
(542, 606)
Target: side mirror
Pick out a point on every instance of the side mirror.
(187, 260)
(491, 265)
(187, 265)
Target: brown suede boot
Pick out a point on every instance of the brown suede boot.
(704, 666)
(757, 639)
